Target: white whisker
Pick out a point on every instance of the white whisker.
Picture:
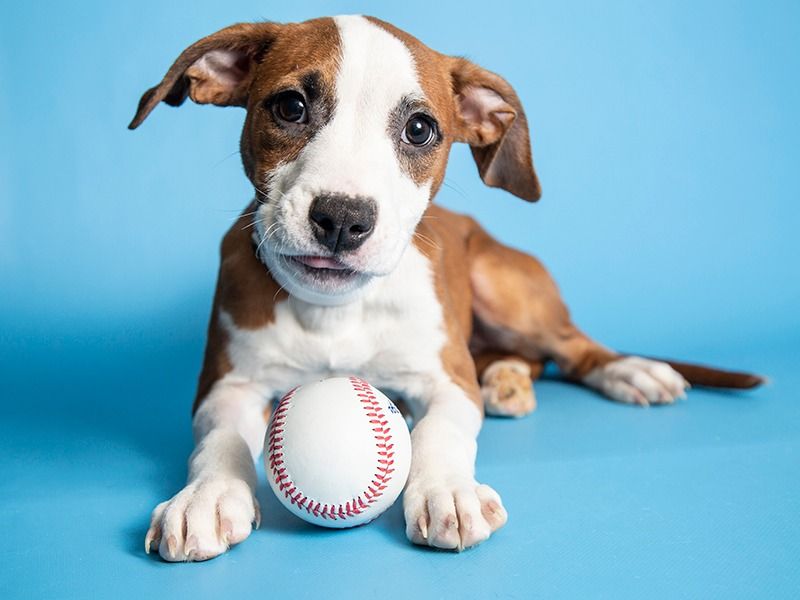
(427, 240)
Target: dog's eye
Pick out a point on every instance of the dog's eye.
(419, 131)
(291, 107)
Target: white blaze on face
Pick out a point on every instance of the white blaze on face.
(355, 154)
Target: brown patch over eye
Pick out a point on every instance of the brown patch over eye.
(292, 96)
(417, 138)
(434, 78)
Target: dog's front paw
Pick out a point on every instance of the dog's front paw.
(452, 516)
(202, 520)
(638, 380)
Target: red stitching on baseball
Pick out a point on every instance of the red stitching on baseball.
(375, 416)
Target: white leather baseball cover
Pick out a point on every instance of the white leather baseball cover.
(337, 452)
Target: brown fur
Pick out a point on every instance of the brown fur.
(180, 81)
(713, 377)
(441, 237)
(246, 291)
(531, 324)
(500, 144)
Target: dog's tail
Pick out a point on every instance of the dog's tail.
(716, 378)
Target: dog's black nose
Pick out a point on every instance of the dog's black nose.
(342, 223)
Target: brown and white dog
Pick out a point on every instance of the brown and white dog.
(341, 265)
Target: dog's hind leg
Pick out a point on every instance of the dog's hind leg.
(518, 310)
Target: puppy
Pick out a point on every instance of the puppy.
(341, 265)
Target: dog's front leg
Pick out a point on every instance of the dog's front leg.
(218, 505)
(444, 505)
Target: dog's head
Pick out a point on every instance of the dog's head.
(349, 125)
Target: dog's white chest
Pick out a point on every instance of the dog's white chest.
(394, 332)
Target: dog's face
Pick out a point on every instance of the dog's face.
(349, 125)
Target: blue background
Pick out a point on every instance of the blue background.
(666, 139)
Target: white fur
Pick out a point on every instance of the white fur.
(445, 507)
(392, 331)
(353, 154)
(638, 380)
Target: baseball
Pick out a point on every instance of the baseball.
(337, 452)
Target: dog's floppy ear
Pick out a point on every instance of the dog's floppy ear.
(489, 117)
(214, 70)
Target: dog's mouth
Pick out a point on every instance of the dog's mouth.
(326, 280)
(323, 280)
(322, 268)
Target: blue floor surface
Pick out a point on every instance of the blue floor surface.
(697, 500)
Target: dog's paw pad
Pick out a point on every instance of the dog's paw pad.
(506, 389)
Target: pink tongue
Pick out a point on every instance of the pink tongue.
(321, 262)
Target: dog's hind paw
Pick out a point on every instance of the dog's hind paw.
(636, 380)
(506, 389)
(202, 520)
(452, 517)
